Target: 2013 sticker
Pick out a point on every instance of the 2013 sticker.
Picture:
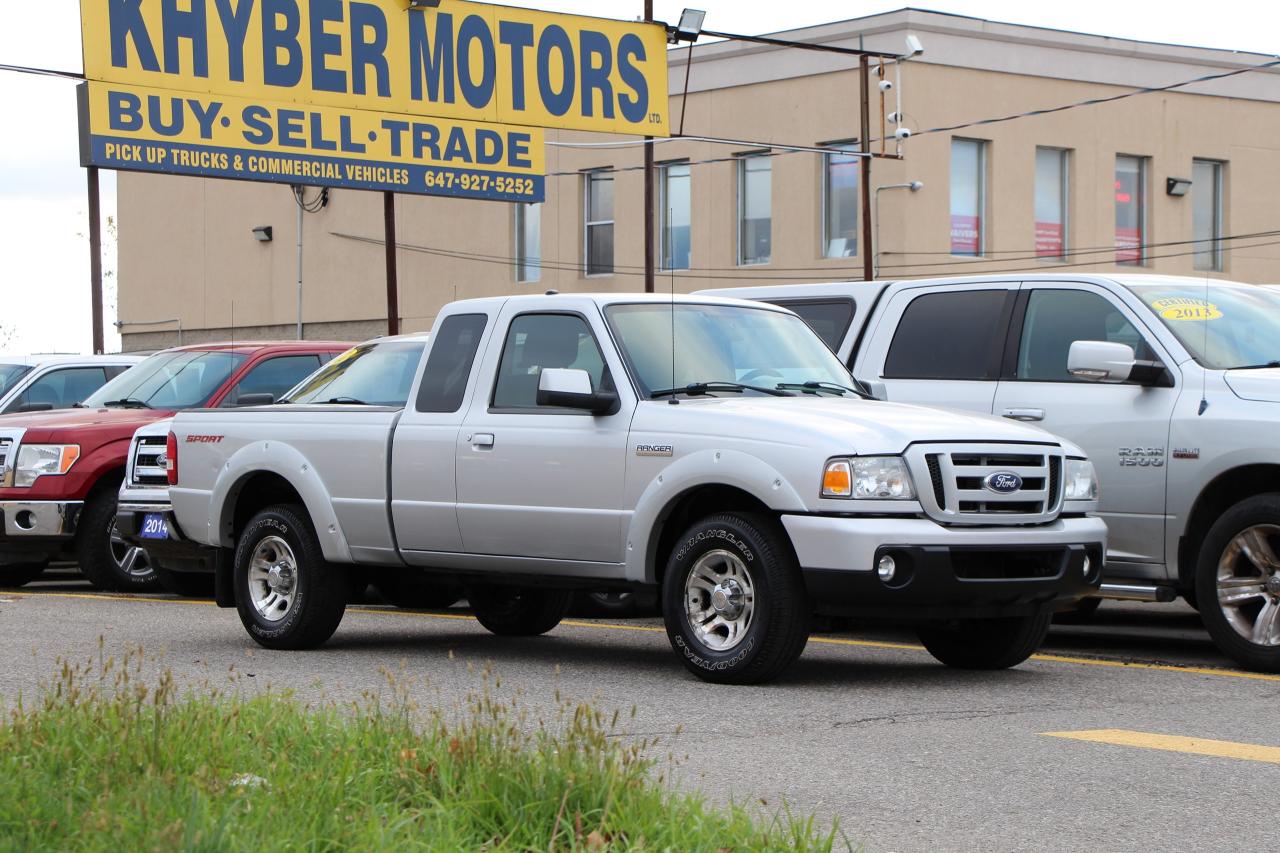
(1186, 309)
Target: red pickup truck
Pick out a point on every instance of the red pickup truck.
(60, 471)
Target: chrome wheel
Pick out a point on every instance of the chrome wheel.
(1249, 585)
(131, 560)
(273, 579)
(719, 599)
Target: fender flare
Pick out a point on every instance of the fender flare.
(267, 457)
(703, 468)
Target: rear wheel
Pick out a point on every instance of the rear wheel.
(986, 643)
(1238, 583)
(106, 560)
(733, 600)
(518, 611)
(21, 574)
(287, 594)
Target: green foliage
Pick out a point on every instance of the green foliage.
(109, 761)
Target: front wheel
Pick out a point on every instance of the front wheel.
(510, 611)
(21, 574)
(106, 560)
(1238, 583)
(987, 644)
(287, 594)
(733, 600)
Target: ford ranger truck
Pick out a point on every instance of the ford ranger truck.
(1172, 386)
(60, 471)
(712, 449)
(379, 372)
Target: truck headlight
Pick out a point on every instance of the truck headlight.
(875, 478)
(1081, 481)
(41, 460)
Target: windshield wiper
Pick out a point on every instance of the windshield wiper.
(127, 403)
(345, 401)
(1258, 366)
(815, 386)
(699, 389)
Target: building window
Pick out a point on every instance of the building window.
(840, 203)
(528, 242)
(1206, 213)
(1131, 210)
(755, 209)
(968, 196)
(1051, 204)
(676, 200)
(598, 223)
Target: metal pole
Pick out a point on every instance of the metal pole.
(297, 197)
(393, 286)
(649, 265)
(95, 261)
(864, 76)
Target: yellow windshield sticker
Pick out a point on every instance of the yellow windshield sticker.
(1184, 308)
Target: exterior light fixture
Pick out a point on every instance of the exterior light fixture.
(689, 28)
(263, 234)
(1178, 186)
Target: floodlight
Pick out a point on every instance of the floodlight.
(263, 234)
(1178, 186)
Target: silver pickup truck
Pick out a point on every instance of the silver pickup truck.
(713, 449)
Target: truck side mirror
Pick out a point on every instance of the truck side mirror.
(1111, 363)
(568, 388)
(875, 389)
(260, 399)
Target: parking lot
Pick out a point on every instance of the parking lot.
(1122, 735)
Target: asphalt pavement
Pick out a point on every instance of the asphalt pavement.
(1132, 733)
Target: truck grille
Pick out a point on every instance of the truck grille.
(960, 479)
(148, 468)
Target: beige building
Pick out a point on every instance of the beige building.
(1078, 190)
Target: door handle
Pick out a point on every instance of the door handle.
(484, 439)
(1024, 414)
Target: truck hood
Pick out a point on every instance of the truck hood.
(836, 425)
(69, 425)
(1261, 385)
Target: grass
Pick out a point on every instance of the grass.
(111, 759)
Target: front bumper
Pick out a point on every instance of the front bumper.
(176, 553)
(32, 531)
(946, 572)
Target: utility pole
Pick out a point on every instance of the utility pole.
(649, 205)
(864, 77)
(393, 286)
(95, 260)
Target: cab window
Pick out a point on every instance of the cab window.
(273, 376)
(61, 388)
(1058, 318)
(536, 342)
(953, 335)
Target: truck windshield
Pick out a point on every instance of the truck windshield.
(10, 374)
(169, 380)
(377, 374)
(1224, 326)
(722, 346)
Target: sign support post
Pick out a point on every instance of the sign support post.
(95, 260)
(864, 78)
(649, 265)
(393, 284)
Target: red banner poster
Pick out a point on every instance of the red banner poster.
(1049, 240)
(1128, 245)
(966, 234)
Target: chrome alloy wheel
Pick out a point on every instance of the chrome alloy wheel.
(273, 579)
(719, 600)
(131, 559)
(1249, 585)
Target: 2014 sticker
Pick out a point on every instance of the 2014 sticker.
(1185, 308)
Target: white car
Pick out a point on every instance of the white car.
(34, 383)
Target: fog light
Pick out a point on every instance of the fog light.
(1088, 566)
(887, 568)
(26, 520)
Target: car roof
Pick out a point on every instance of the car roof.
(43, 359)
(254, 347)
(603, 300)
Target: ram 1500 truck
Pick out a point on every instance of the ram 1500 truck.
(60, 471)
(1171, 385)
(711, 448)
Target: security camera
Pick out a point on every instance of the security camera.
(902, 133)
(914, 47)
(886, 85)
(894, 118)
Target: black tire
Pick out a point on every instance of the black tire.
(1261, 512)
(185, 584)
(986, 644)
(771, 635)
(1082, 614)
(96, 550)
(318, 594)
(412, 589)
(518, 611)
(21, 574)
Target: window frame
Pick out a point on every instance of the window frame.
(1217, 262)
(1064, 162)
(606, 377)
(589, 177)
(839, 148)
(521, 211)
(1144, 214)
(983, 195)
(740, 164)
(664, 213)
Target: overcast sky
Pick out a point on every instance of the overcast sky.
(44, 257)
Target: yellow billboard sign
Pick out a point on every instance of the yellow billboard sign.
(462, 60)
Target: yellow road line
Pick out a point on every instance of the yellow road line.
(648, 629)
(1173, 743)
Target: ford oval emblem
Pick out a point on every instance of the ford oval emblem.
(1003, 483)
